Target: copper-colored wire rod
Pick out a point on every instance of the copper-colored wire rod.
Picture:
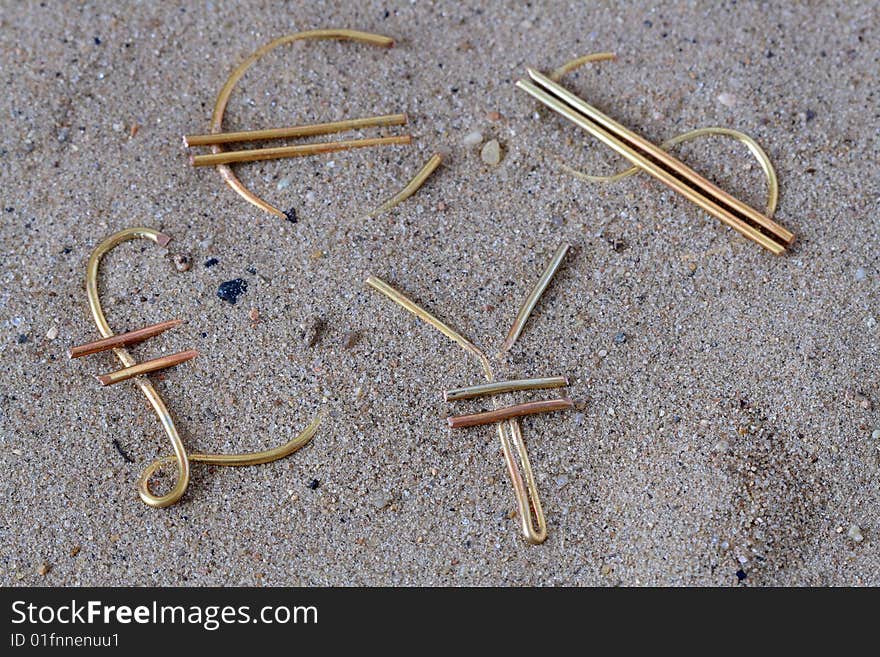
(260, 154)
(507, 412)
(660, 164)
(497, 387)
(531, 301)
(122, 339)
(146, 367)
(294, 131)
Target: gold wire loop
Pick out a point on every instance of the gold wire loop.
(180, 457)
(223, 97)
(754, 148)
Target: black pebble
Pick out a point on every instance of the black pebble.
(741, 574)
(291, 215)
(314, 483)
(231, 290)
(210, 262)
(97, 41)
(22, 338)
(620, 338)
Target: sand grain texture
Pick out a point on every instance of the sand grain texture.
(729, 431)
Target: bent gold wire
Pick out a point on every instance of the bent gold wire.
(754, 148)
(411, 187)
(534, 525)
(180, 457)
(223, 97)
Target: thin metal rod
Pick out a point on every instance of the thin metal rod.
(507, 412)
(122, 339)
(425, 316)
(486, 389)
(260, 154)
(146, 367)
(412, 186)
(660, 164)
(529, 304)
(294, 131)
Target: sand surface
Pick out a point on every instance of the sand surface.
(725, 398)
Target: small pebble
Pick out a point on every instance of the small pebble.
(210, 262)
(63, 134)
(52, 333)
(620, 338)
(254, 314)
(314, 329)
(727, 99)
(491, 152)
(494, 116)
(605, 570)
(741, 574)
(875, 434)
(182, 262)
(284, 183)
(314, 483)
(380, 500)
(231, 290)
(855, 533)
(861, 274)
(44, 569)
(472, 138)
(22, 339)
(556, 220)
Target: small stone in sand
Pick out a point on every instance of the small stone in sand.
(727, 99)
(380, 500)
(855, 533)
(52, 333)
(494, 116)
(620, 338)
(472, 138)
(314, 483)
(254, 314)
(491, 152)
(231, 290)
(182, 262)
(313, 331)
(44, 569)
(876, 434)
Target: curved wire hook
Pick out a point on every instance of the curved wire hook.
(223, 97)
(180, 457)
(754, 148)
